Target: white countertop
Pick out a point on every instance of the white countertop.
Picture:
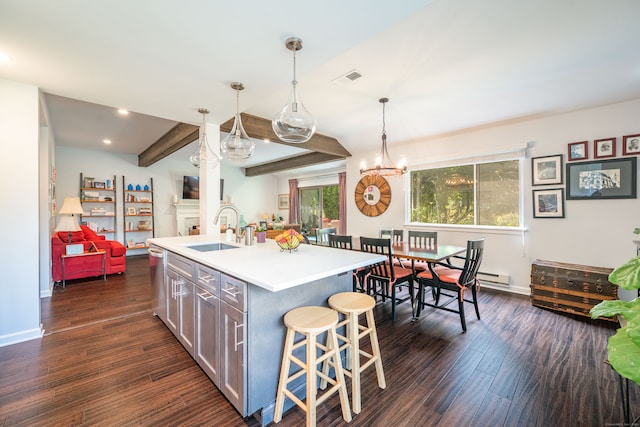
(264, 265)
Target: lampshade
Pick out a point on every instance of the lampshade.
(383, 165)
(237, 146)
(294, 123)
(71, 206)
(204, 155)
(68, 223)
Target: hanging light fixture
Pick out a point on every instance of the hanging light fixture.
(384, 165)
(204, 155)
(294, 123)
(237, 146)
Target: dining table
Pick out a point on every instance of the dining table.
(430, 255)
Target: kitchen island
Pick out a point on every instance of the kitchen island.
(225, 302)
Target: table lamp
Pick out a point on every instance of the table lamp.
(71, 207)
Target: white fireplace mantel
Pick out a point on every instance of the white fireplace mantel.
(187, 215)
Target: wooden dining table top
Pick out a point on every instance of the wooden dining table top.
(437, 253)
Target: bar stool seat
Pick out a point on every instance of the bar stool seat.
(311, 321)
(352, 305)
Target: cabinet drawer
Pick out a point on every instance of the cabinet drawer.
(179, 264)
(233, 291)
(209, 279)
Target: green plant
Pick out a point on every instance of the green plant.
(261, 229)
(624, 346)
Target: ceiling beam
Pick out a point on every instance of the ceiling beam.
(291, 163)
(177, 137)
(259, 128)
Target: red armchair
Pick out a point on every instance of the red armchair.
(80, 267)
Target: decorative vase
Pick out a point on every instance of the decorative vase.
(261, 236)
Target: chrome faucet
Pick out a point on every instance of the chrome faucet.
(235, 210)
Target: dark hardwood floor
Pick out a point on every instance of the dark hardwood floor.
(105, 360)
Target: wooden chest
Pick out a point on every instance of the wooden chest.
(569, 287)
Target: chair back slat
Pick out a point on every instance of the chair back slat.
(396, 235)
(473, 258)
(322, 235)
(340, 241)
(382, 246)
(423, 239)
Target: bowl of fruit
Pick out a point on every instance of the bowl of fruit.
(289, 240)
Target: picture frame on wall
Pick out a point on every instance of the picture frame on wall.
(578, 151)
(548, 203)
(546, 170)
(283, 201)
(603, 148)
(602, 179)
(631, 145)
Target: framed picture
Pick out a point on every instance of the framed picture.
(546, 170)
(631, 145)
(604, 148)
(131, 211)
(99, 184)
(603, 179)
(548, 203)
(283, 201)
(578, 151)
(88, 182)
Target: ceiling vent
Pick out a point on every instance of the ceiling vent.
(348, 78)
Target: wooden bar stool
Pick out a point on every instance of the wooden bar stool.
(311, 321)
(352, 305)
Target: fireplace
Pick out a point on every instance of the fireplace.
(187, 216)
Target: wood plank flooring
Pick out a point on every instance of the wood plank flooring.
(105, 360)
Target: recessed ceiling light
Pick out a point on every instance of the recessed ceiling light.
(106, 141)
(123, 111)
(5, 59)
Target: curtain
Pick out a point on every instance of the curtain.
(342, 194)
(294, 202)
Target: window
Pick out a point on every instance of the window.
(319, 207)
(477, 194)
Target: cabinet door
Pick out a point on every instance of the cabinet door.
(172, 301)
(186, 313)
(234, 356)
(207, 352)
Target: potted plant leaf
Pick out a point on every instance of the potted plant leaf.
(261, 234)
(624, 346)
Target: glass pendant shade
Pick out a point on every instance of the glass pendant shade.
(204, 155)
(294, 123)
(237, 146)
(383, 164)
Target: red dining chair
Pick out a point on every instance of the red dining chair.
(450, 281)
(346, 242)
(385, 278)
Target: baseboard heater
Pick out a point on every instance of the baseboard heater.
(499, 279)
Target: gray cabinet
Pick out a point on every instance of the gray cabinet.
(207, 351)
(233, 322)
(181, 300)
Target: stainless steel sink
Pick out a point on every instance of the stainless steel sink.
(210, 247)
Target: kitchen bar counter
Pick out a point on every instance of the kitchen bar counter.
(264, 265)
(226, 307)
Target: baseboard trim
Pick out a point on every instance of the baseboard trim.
(21, 336)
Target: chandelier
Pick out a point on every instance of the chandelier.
(204, 155)
(383, 165)
(294, 123)
(237, 146)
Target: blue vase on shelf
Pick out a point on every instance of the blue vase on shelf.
(146, 188)
(138, 187)
(130, 187)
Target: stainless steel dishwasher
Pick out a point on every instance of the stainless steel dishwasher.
(157, 265)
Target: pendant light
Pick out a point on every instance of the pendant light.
(204, 155)
(294, 123)
(237, 146)
(384, 165)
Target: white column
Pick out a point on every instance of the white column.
(210, 184)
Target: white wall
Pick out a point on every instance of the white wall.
(593, 232)
(20, 227)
